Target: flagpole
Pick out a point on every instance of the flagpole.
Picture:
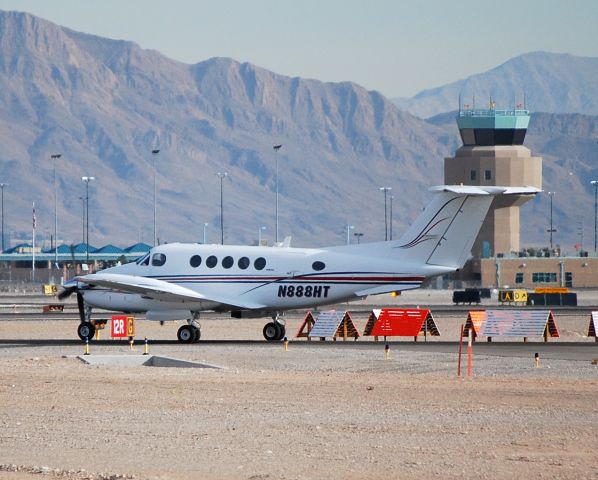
(33, 248)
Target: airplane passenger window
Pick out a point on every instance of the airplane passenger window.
(195, 261)
(158, 259)
(318, 266)
(243, 263)
(259, 263)
(211, 261)
(227, 262)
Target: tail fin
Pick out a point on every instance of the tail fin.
(444, 233)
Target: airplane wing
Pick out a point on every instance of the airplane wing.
(159, 290)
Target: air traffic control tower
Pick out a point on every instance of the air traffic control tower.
(493, 154)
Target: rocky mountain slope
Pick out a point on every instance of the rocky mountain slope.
(105, 104)
(548, 82)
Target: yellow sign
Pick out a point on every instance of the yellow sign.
(130, 326)
(512, 296)
(551, 290)
(50, 289)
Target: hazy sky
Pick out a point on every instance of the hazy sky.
(393, 46)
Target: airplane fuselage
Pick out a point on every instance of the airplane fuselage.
(278, 278)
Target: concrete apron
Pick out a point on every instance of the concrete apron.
(141, 361)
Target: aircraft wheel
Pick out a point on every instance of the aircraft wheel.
(283, 331)
(186, 334)
(196, 334)
(86, 331)
(272, 331)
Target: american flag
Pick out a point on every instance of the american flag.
(33, 215)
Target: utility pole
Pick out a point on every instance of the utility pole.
(55, 157)
(385, 190)
(154, 154)
(87, 180)
(2, 185)
(222, 176)
(276, 149)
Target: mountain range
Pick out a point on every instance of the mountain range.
(106, 104)
(542, 81)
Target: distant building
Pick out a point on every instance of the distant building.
(493, 154)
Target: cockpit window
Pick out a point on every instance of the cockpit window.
(143, 260)
(158, 259)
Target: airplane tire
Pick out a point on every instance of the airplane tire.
(196, 334)
(272, 331)
(86, 331)
(283, 331)
(186, 334)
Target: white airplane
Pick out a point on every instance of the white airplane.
(178, 281)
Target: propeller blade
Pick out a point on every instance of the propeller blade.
(67, 292)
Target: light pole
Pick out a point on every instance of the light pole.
(55, 157)
(358, 235)
(259, 235)
(385, 190)
(154, 154)
(2, 185)
(205, 230)
(276, 149)
(222, 176)
(551, 230)
(87, 180)
(595, 183)
(391, 199)
(349, 228)
(82, 219)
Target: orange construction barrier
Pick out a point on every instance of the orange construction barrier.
(475, 321)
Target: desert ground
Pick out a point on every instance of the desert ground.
(317, 410)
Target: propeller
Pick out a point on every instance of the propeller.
(67, 291)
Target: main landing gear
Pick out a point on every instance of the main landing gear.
(190, 333)
(274, 331)
(86, 330)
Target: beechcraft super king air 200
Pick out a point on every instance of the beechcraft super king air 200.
(178, 281)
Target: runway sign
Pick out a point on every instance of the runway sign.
(123, 326)
(512, 296)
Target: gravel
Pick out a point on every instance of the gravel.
(320, 409)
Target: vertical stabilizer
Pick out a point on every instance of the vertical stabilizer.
(444, 233)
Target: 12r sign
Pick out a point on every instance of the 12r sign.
(123, 326)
